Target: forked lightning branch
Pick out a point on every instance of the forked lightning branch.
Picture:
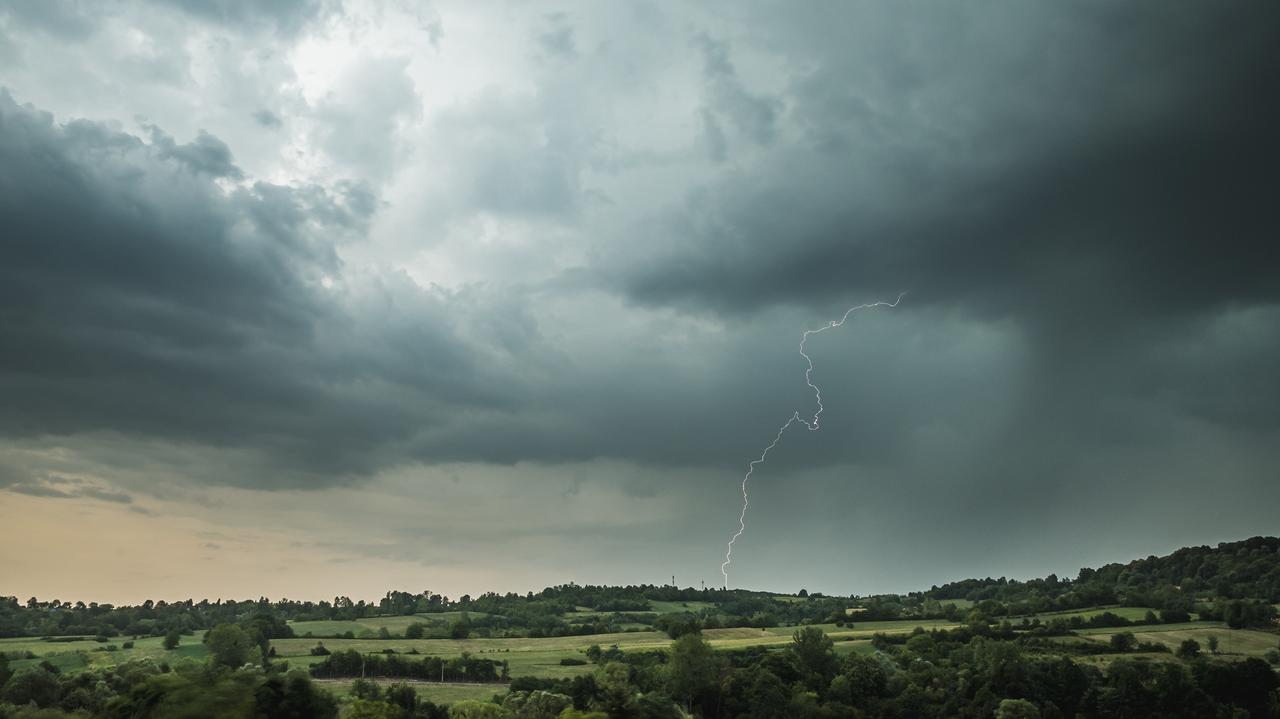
(812, 425)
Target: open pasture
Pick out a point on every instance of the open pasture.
(1133, 614)
(78, 655)
(669, 607)
(395, 623)
(436, 692)
(1106, 632)
(1231, 642)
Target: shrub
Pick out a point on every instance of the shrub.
(1189, 649)
(1123, 642)
(572, 662)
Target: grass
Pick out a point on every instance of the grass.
(1231, 642)
(669, 607)
(1131, 613)
(446, 693)
(541, 657)
(395, 623)
(1147, 629)
(525, 656)
(74, 656)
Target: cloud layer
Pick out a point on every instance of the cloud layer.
(318, 247)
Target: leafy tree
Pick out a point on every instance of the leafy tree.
(537, 704)
(230, 645)
(417, 630)
(1123, 642)
(1189, 649)
(657, 706)
(1017, 709)
(471, 709)
(172, 639)
(403, 696)
(32, 685)
(766, 696)
(366, 689)
(816, 654)
(677, 624)
(1213, 644)
(461, 629)
(866, 679)
(293, 697)
(694, 669)
(617, 695)
(365, 709)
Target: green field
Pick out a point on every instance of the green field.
(1108, 631)
(541, 656)
(74, 656)
(437, 692)
(1231, 642)
(396, 623)
(446, 693)
(1133, 614)
(525, 656)
(669, 607)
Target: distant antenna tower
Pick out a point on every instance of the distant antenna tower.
(673, 580)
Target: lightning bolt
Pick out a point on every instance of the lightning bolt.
(811, 425)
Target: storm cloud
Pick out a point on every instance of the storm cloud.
(321, 247)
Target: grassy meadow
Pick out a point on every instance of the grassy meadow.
(541, 657)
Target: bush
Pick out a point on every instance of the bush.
(572, 662)
(127, 645)
(1273, 657)
(1189, 649)
(32, 685)
(319, 650)
(1123, 642)
(365, 689)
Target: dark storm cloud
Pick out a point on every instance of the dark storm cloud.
(1110, 163)
(206, 154)
(1050, 209)
(140, 298)
(286, 16)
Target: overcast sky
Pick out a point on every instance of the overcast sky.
(307, 297)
